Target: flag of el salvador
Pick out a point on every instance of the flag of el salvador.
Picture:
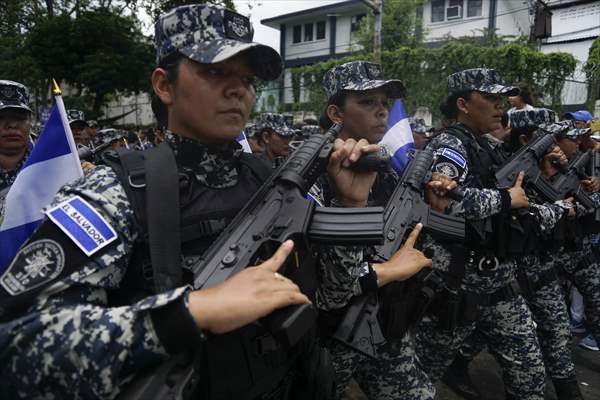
(398, 139)
(53, 162)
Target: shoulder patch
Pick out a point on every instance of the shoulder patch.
(35, 264)
(82, 224)
(454, 156)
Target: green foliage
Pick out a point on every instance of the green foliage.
(401, 26)
(592, 71)
(424, 71)
(156, 7)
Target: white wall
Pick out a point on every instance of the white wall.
(573, 92)
(512, 17)
(142, 116)
(306, 49)
(574, 22)
(343, 36)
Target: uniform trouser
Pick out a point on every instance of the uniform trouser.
(585, 275)
(549, 312)
(509, 329)
(396, 374)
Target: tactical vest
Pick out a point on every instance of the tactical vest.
(508, 234)
(243, 364)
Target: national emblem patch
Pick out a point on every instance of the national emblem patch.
(35, 264)
(82, 224)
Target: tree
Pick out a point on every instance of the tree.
(401, 26)
(592, 72)
(424, 71)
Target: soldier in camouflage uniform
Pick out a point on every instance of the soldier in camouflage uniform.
(580, 264)
(80, 317)
(79, 127)
(538, 281)
(15, 126)
(276, 136)
(358, 99)
(486, 288)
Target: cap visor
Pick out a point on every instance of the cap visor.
(20, 106)
(394, 88)
(265, 61)
(500, 89)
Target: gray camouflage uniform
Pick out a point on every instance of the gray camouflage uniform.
(395, 373)
(12, 95)
(544, 297)
(69, 342)
(507, 322)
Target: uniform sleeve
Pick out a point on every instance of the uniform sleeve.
(451, 159)
(547, 215)
(69, 340)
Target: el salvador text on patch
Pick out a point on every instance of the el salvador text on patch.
(454, 156)
(82, 224)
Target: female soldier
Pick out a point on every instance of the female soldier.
(358, 99)
(487, 280)
(83, 313)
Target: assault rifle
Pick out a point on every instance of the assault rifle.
(403, 302)
(528, 159)
(568, 183)
(89, 154)
(277, 212)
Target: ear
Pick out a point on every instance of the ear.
(162, 87)
(334, 113)
(461, 105)
(523, 140)
(265, 136)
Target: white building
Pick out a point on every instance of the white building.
(574, 26)
(314, 35)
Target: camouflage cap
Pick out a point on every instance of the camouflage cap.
(210, 34)
(250, 130)
(13, 95)
(110, 134)
(531, 118)
(480, 79)
(76, 116)
(360, 75)
(417, 125)
(276, 122)
(561, 127)
(308, 130)
(578, 132)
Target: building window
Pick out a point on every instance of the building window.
(320, 30)
(438, 10)
(474, 8)
(355, 22)
(308, 32)
(297, 33)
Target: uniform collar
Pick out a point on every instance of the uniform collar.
(213, 166)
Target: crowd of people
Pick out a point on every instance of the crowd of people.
(81, 322)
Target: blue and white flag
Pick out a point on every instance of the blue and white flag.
(244, 142)
(398, 139)
(53, 162)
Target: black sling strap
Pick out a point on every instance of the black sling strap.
(163, 215)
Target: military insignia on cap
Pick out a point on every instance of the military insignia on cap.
(82, 224)
(373, 71)
(8, 92)
(35, 264)
(237, 27)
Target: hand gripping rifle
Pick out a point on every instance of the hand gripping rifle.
(569, 183)
(277, 212)
(403, 302)
(528, 159)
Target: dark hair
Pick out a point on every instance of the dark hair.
(449, 108)
(513, 139)
(526, 94)
(338, 99)
(171, 66)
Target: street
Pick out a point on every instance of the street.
(487, 376)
